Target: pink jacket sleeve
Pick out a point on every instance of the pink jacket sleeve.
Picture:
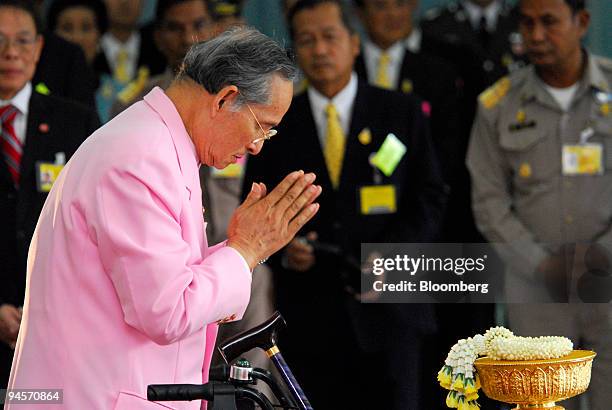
(145, 226)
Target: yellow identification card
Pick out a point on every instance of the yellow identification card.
(47, 173)
(377, 199)
(230, 171)
(585, 159)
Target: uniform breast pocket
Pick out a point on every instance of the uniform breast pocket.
(531, 153)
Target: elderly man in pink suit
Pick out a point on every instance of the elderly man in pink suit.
(122, 289)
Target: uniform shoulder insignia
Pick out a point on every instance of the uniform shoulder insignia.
(133, 89)
(493, 95)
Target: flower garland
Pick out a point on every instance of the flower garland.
(459, 375)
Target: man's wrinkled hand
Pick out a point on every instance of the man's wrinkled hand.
(265, 223)
(10, 319)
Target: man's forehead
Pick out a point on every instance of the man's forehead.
(534, 8)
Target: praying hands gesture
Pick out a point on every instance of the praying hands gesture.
(265, 223)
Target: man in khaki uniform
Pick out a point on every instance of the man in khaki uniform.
(540, 158)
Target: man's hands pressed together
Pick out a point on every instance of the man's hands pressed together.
(265, 223)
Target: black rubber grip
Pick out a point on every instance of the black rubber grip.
(179, 392)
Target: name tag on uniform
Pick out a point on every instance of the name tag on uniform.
(377, 199)
(584, 159)
(230, 171)
(46, 175)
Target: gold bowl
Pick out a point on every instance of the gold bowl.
(536, 384)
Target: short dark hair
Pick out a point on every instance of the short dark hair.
(164, 5)
(576, 5)
(27, 6)
(96, 6)
(310, 4)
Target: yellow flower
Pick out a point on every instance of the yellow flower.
(471, 396)
(474, 405)
(463, 404)
(451, 400)
(470, 386)
(444, 377)
(458, 382)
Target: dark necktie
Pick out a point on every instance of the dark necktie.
(483, 33)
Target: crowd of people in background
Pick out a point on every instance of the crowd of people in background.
(486, 97)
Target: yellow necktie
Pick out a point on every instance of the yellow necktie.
(382, 74)
(121, 69)
(334, 145)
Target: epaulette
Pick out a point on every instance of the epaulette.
(134, 88)
(493, 95)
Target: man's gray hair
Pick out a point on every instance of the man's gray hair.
(243, 57)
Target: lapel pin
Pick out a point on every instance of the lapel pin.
(521, 116)
(365, 136)
(43, 127)
(525, 170)
(407, 86)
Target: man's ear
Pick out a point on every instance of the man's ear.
(224, 98)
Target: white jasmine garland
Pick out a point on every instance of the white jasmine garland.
(459, 374)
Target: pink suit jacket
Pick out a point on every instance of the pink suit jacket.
(122, 289)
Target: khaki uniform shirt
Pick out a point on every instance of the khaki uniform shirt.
(521, 196)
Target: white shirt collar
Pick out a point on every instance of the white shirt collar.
(413, 41)
(491, 13)
(371, 56)
(21, 100)
(343, 101)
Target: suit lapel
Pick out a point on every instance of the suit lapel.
(35, 139)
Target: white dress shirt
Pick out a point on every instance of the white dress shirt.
(343, 101)
(371, 56)
(21, 101)
(111, 47)
(491, 13)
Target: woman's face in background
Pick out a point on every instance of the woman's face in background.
(78, 25)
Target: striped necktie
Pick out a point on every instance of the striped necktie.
(11, 146)
(334, 145)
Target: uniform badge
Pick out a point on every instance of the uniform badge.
(407, 86)
(365, 136)
(521, 116)
(604, 109)
(525, 170)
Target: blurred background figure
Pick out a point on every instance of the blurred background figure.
(226, 13)
(82, 22)
(178, 24)
(39, 134)
(550, 217)
(126, 53)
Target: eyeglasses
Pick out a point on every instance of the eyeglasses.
(266, 135)
(23, 44)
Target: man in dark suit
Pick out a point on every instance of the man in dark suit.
(391, 57)
(345, 353)
(39, 134)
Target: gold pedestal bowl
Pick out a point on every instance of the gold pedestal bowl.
(536, 384)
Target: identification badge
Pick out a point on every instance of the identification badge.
(230, 171)
(583, 159)
(378, 199)
(389, 155)
(46, 175)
